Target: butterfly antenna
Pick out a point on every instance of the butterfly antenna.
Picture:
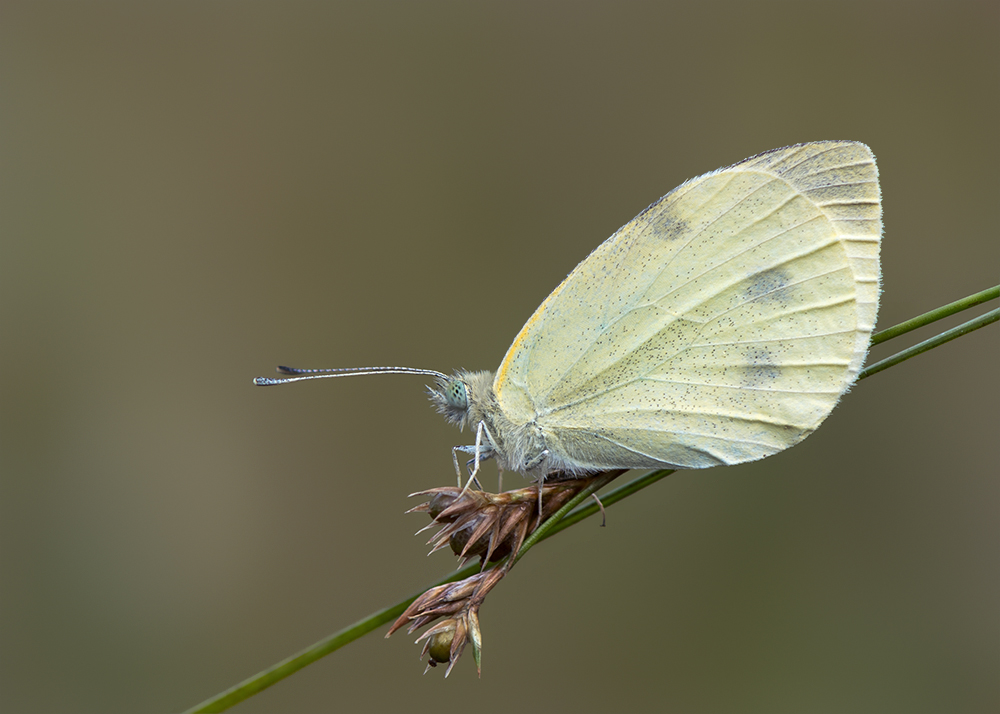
(303, 374)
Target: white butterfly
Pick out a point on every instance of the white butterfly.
(720, 325)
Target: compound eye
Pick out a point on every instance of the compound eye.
(457, 394)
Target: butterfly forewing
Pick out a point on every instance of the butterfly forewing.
(720, 325)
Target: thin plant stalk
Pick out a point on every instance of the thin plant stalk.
(935, 315)
(946, 336)
(573, 512)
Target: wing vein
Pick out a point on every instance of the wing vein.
(804, 159)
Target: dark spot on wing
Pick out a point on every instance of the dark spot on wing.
(663, 222)
(671, 228)
(767, 284)
(760, 368)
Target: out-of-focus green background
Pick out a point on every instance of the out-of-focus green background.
(192, 193)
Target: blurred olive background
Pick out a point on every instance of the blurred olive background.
(193, 193)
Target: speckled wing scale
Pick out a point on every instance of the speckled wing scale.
(721, 325)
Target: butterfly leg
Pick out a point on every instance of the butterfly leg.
(533, 464)
(530, 466)
(480, 451)
(468, 464)
(454, 458)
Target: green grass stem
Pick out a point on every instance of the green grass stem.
(573, 512)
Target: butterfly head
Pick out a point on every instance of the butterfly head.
(460, 398)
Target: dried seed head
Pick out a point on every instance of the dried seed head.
(477, 524)
(458, 603)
